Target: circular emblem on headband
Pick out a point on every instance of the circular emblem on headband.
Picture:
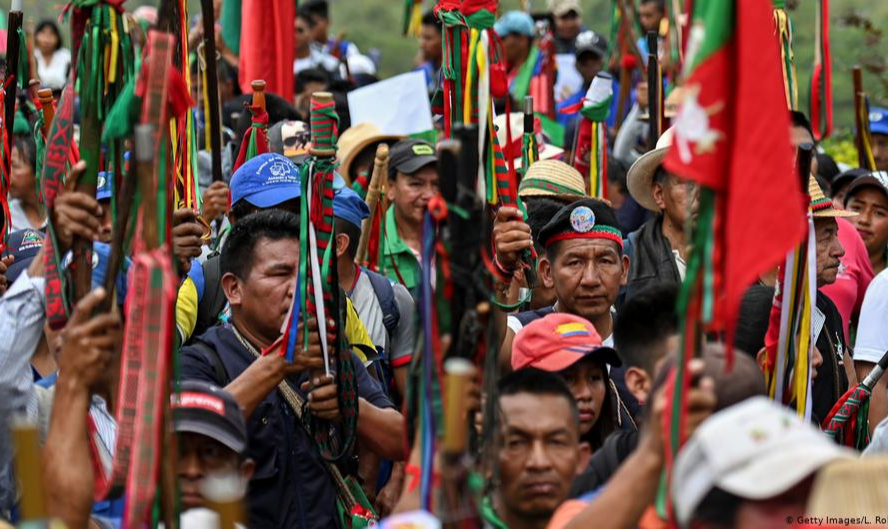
(582, 219)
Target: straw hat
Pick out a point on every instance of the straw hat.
(356, 139)
(640, 177)
(554, 179)
(547, 151)
(851, 488)
(821, 205)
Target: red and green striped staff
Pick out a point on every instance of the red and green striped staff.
(848, 421)
(590, 151)
(255, 141)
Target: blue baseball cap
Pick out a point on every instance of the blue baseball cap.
(878, 118)
(514, 23)
(103, 185)
(266, 181)
(350, 207)
(24, 245)
(101, 254)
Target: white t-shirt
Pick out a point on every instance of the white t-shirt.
(54, 73)
(872, 329)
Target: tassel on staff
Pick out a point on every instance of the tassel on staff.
(783, 26)
(368, 246)
(255, 140)
(590, 153)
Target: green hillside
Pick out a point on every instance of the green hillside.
(376, 24)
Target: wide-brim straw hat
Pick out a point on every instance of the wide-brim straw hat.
(356, 139)
(640, 177)
(851, 488)
(546, 150)
(553, 179)
(821, 205)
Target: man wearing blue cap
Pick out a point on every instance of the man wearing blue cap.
(384, 306)
(516, 29)
(879, 131)
(267, 181)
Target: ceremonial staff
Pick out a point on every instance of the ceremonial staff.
(655, 91)
(213, 119)
(255, 140)
(848, 421)
(13, 47)
(371, 228)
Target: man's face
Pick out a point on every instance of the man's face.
(410, 194)
(589, 64)
(303, 36)
(586, 381)
(430, 43)
(871, 221)
(650, 15)
(262, 299)
(200, 457)
(677, 198)
(587, 275)
(880, 151)
(568, 26)
(829, 250)
(319, 31)
(539, 456)
(774, 513)
(515, 48)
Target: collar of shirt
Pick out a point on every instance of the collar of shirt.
(397, 252)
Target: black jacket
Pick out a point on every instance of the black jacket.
(831, 382)
(651, 259)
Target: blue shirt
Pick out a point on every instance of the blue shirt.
(290, 487)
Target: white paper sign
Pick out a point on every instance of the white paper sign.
(398, 105)
(569, 79)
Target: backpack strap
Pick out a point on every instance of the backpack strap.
(213, 300)
(221, 374)
(385, 293)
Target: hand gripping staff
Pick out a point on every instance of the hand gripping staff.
(145, 362)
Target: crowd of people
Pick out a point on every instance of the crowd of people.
(569, 433)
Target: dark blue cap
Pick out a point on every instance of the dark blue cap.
(266, 181)
(24, 245)
(350, 207)
(878, 118)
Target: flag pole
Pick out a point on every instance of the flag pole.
(862, 139)
(213, 121)
(655, 91)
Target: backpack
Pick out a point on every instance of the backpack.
(385, 294)
(211, 298)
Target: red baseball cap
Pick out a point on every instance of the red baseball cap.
(557, 342)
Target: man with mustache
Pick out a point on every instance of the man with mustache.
(832, 378)
(539, 451)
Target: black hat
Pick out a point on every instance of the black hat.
(591, 42)
(584, 219)
(409, 156)
(24, 245)
(207, 410)
(875, 179)
(846, 177)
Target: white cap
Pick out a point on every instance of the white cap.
(755, 450)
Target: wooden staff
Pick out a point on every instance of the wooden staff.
(258, 87)
(380, 168)
(44, 95)
(13, 46)
(214, 129)
(224, 496)
(655, 91)
(27, 469)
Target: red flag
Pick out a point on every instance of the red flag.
(268, 45)
(732, 136)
